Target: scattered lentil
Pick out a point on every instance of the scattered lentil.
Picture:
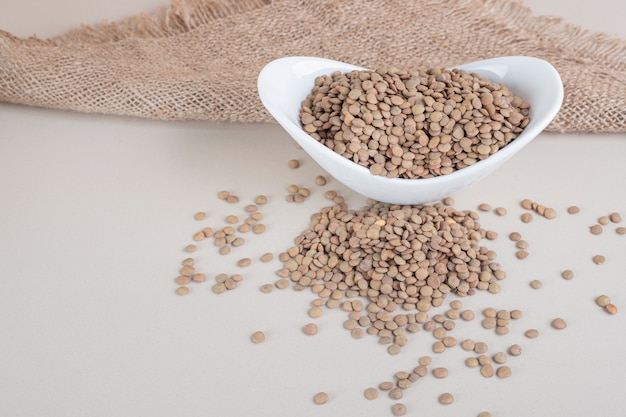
(503, 372)
(258, 337)
(558, 323)
(573, 209)
(385, 386)
(500, 211)
(531, 333)
(515, 350)
(615, 217)
(371, 393)
(484, 414)
(515, 236)
(486, 370)
(267, 288)
(440, 372)
(182, 280)
(620, 230)
(244, 262)
(484, 207)
(310, 329)
(182, 290)
(535, 284)
(526, 218)
(201, 215)
(294, 163)
(567, 274)
(598, 259)
(610, 308)
(603, 300)
(320, 398)
(398, 409)
(446, 398)
(596, 229)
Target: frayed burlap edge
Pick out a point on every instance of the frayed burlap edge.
(578, 54)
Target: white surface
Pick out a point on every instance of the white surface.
(95, 212)
(284, 84)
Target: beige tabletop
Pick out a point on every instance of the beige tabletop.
(96, 211)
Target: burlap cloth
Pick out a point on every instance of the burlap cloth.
(199, 59)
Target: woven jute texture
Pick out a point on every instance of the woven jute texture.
(199, 59)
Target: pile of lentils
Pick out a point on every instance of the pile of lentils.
(405, 258)
(412, 124)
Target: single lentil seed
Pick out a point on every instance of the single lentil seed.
(182, 280)
(282, 284)
(320, 180)
(480, 347)
(182, 290)
(440, 372)
(486, 370)
(526, 217)
(446, 398)
(521, 254)
(267, 288)
(201, 215)
(604, 220)
(320, 398)
(531, 333)
(515, 350)
(222, 195)
(611, 308)
(620, 230)
(596, 229)
(500, 358)
(467, 315)
(515, 236)
(484, 207)
(244, 262)
(603, 300)
(258, 337)
(310, 329)
(559, 324)
(294, 163)
(190, 248)
(448, 201)
(266, 257)
(258, 228)
(503, 372)
(535, 284)
(573, 209)
(567, 274)
(500, 211)
(371, 393)
(484, 414)
(395, 393)
(472, 362)
(598, 259)
(425, 360)
(385, 386)
(398, 409)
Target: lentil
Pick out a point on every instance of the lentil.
(535, 284)
(258, 337)
(484, 414)
(603, 300)
(573, 209)
(567, 274)
(500, 211)
(598, 259)
(310, 329)
(604, 220)
(526, 217)
(446, 398)
(244, 262)
(199, 215)
(486, 370)
(615, 217)
(371, 393)
(503, 372)
(182, 280)
(484, 207)
(385, 386)
(398, 409)
(267, 288)
(610, 308)
(558, 323)
(515, 350)
(620, 230)
(294, 163)
(440, 372)
(320, 398)
(182, 290)
(596, 229)
(531, 333)
(515, 236)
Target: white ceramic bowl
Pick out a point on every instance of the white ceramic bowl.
(284, 83)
